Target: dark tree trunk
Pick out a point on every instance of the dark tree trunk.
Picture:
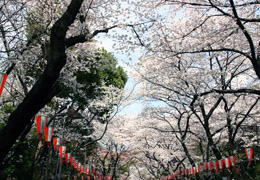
(33, 159)
(45, 88)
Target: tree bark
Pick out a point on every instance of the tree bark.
(42, 91)
(33, 159)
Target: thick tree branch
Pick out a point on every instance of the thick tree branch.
(208, 5)
(245, 117)
(84, 38)
(232, 91)
(42, 92)
(253, 58)
(215, 50)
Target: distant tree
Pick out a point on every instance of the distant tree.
(112, 160)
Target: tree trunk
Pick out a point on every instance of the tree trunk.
(45, 88)
(48, 164)
(33, 159)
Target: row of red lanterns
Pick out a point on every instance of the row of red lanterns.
(209, 166)
(41, 122)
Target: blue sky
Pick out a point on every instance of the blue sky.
(135, 107)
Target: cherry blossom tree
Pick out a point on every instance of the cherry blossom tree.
(197, 77)
(112, 159)
(200, 27)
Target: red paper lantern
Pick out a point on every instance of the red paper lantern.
(67, 158)
(62, 152)
(48, 134)
(75, 164)
(41, 123)
(56, 143)
(232, 160)
(84, 170)
(227, 163)
(211, 166)
(216, 165)
(249, 154)
(205, 166)
(78, 167)
(3, 77)
(198, 169)
(72, 160)
(221, 163)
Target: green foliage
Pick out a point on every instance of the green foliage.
(19, 167)
(124, 168)
(106, 73)
(54, 105)
(5, 110)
